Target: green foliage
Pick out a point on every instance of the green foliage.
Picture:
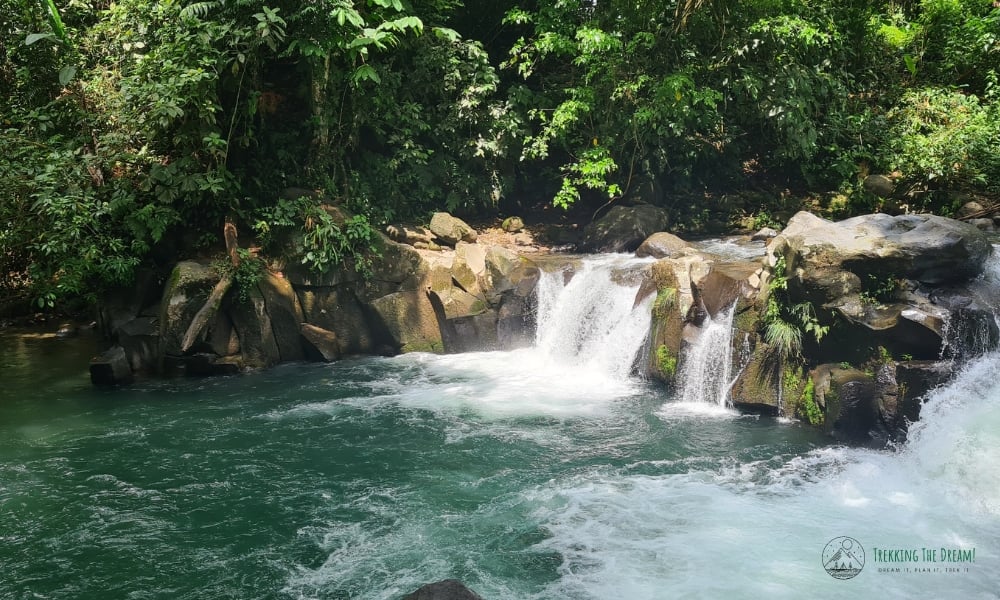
(328, 238)
(807, 404)
(945, 139)
(247, 275)
(666, 299)
(879, 291)
(666, 362)
(784, 338)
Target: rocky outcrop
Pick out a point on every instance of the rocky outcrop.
(876, 300)
(624, 228)
(876, 273)
(474, 297)
(689, 289)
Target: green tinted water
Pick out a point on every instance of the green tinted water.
(368, 478)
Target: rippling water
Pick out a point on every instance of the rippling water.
(525, 476)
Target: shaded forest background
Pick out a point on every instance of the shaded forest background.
(132, 130)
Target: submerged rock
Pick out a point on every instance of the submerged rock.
(111, 367)
(449, 589)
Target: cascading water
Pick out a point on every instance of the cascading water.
(544, 473)
(707, 367)
(590, 320)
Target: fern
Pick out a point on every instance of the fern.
(784, 338)
(199, 10)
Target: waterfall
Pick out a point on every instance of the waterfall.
(707, 371)
(590, 320)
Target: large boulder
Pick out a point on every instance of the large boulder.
(624, 228)
(253, 325)
(873, 272)
(410, 321)
(925, 248)
(188, 287)
(285, 315)
(662, 245)
(451, 230)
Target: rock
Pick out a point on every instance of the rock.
(926, 248)
(140, 339)
(880, 185)
(285, 315)
(469, 267)
(409, 319)
(983, 224)
(323, 341)
(688, 289)
(624, 228)
(849, 402)
(252, 323)
(449, 589)
(969, 208)
(111, 367)
(451, 230)
(187, 289)
(67, 330)
(661, 245)
(458, 303)
(763, 235)
(501, 265)
(410, 235)
(516, 319)
(340, 312)
(512, 224)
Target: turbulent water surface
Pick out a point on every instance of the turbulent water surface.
(542, 473)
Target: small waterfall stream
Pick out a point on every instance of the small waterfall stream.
(590, 320)
(707, 371)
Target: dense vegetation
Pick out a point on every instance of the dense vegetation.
(132, 129)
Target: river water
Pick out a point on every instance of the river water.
(544, 473)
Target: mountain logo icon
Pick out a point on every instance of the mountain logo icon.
(843, 557)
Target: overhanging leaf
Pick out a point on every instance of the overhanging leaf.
(66, 74)
(34, 37)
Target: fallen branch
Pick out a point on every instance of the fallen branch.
(207, 312)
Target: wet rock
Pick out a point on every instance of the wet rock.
(849, 402)
(111, 367)
(252, 323)
(662, 245)
(624, 228)
(451, 230)
(339, 311)
(140, 339)
(449, 589)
